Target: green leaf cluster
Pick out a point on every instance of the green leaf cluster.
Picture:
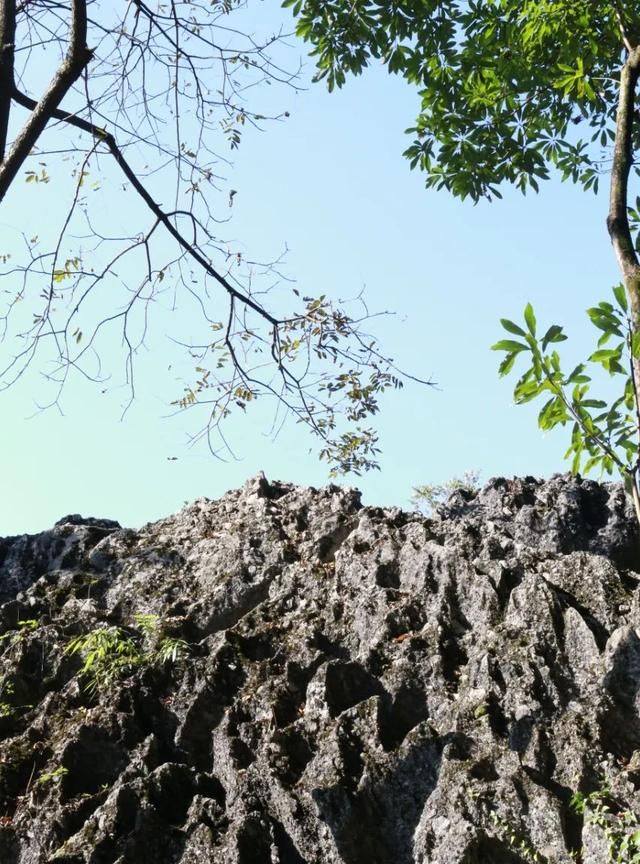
(25, 627)
(620, 826)
(515, 839)
(111, 653)
(333, 374)
(52, 776)
(509, 89)
(428, 496)
(163, 647)
(603, 435)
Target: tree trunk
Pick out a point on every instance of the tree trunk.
(618, 220)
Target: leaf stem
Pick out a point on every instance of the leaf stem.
(599, 442)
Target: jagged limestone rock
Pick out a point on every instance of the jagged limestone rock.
(362, 685)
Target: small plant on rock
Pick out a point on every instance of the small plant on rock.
(52, 776)
(430, 495)
(11, 642)
(171, 650)
(15, 637)
(108, 654)
(621, 827)
(7, 687)
(515, 840)
(146, 622)
(165, 648)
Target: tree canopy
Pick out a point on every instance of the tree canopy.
(509, 90)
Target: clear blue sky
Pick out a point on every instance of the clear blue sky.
(332, 185)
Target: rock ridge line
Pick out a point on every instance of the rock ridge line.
(285, 676)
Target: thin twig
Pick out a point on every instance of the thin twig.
(127, 170)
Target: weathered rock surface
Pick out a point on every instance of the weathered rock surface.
(360, 685)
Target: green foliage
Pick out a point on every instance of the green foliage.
(602, 436)
(108, 654)
(509, 89)
(321, 336)
(164, 649)
(145, 622)
(170, 650)
(515, 840)
(52, 776)
(621, 827)
(7, 688)
(428, 496)
(15, 637)
(111, 653)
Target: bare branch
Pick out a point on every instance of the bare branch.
(166, 81)
(7, 56)
(158, 212)
(75, 60)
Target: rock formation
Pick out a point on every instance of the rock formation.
(284, 676)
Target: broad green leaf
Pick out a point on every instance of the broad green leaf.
(525, 391)
(536, 365)
(604, 355)
(578, 376)
(605, 307)
(530, 318)
(630, 444)
(507, 364)
(509, 345)
(591, 463)
(553, 334)
(607, 322)
(621, 296)
(607, 463)
(512, 327)
(553, 413)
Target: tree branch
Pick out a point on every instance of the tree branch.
(158, 212)
(622, 27)
(618, 219)
(75, 60)
(7, 56)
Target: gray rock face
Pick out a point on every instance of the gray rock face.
(293, 678)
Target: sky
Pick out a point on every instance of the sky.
(330, 185)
